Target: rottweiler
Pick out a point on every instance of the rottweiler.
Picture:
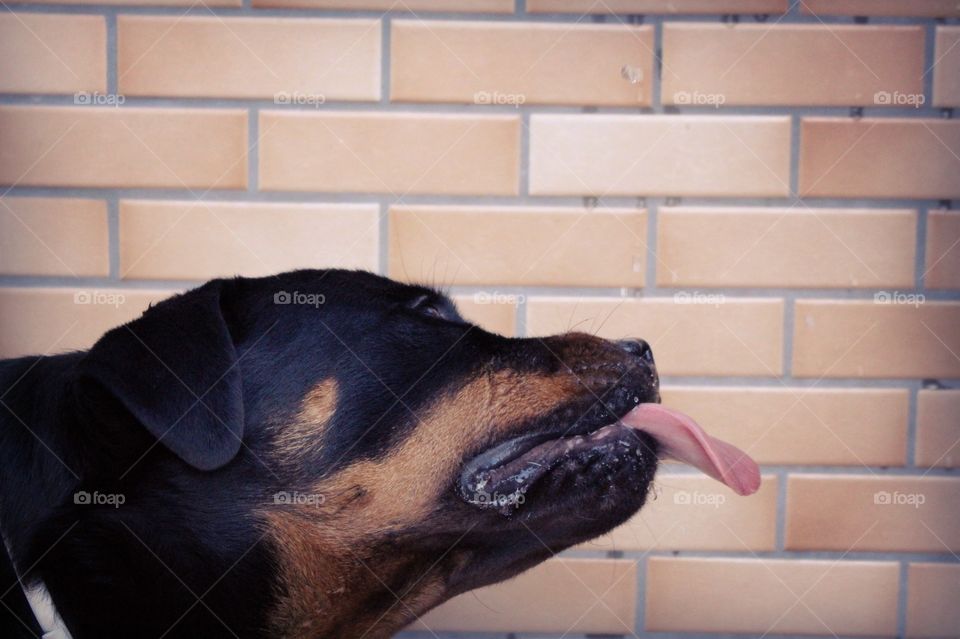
(320, 453)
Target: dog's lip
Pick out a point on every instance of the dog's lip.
(500, 476)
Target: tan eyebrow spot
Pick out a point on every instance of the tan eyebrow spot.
(316, 411)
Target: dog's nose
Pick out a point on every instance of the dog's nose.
(637, 347)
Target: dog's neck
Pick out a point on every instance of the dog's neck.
(321, 564)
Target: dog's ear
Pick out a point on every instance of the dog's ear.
(175, 370)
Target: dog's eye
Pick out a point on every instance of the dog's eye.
(424, 305)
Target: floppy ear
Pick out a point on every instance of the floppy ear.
(175, 370)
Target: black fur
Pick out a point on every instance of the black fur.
(177, 413)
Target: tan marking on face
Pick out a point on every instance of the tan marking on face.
(316, 410)
(371, 498)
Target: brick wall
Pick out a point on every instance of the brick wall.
(766, 197)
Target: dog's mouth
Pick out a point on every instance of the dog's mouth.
(501, 476)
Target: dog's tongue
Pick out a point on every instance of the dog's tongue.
(682, 439)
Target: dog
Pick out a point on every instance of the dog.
(320, 453)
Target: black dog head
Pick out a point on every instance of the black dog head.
(370, 439)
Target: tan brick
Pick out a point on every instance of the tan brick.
(946, 67)
(659, 155)
(780, 596)
(723, 337)
(53, 236)
(943, 250)
(873, 513)
(932, 609)
(841, 338)
(52, 53)
(521, 63)
(687, 512)
(139, 3)
(785, 65)
(656, 6)
(534, 246)
(288, 60)
(933, 8)
(464, 6)
(938, 428)
(396, 153)
(797, 425)
(35, 321)
(843, 157)
(491, 310)
(559, 595)
(203, 240)
(804, 247)
(130, 147)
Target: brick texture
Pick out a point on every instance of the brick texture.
(52, 53)
(873, 513)
(47, 321)
(817, 427)
(53, 236)
(272, 58)
(933, 8)
(943, 250)
(758, 596)
(558, 596)
(789, 64)
(713, 336)
(946, 70)
(658, 155)
(394, 154)
(191, 240)
(802, 247)
(896, 336)
(932, 605)
(841, 157)
(520, 246)
(656, 6)
(491, 63)
(938, 428)
(135, 147)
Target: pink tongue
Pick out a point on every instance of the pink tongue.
(682, 439)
